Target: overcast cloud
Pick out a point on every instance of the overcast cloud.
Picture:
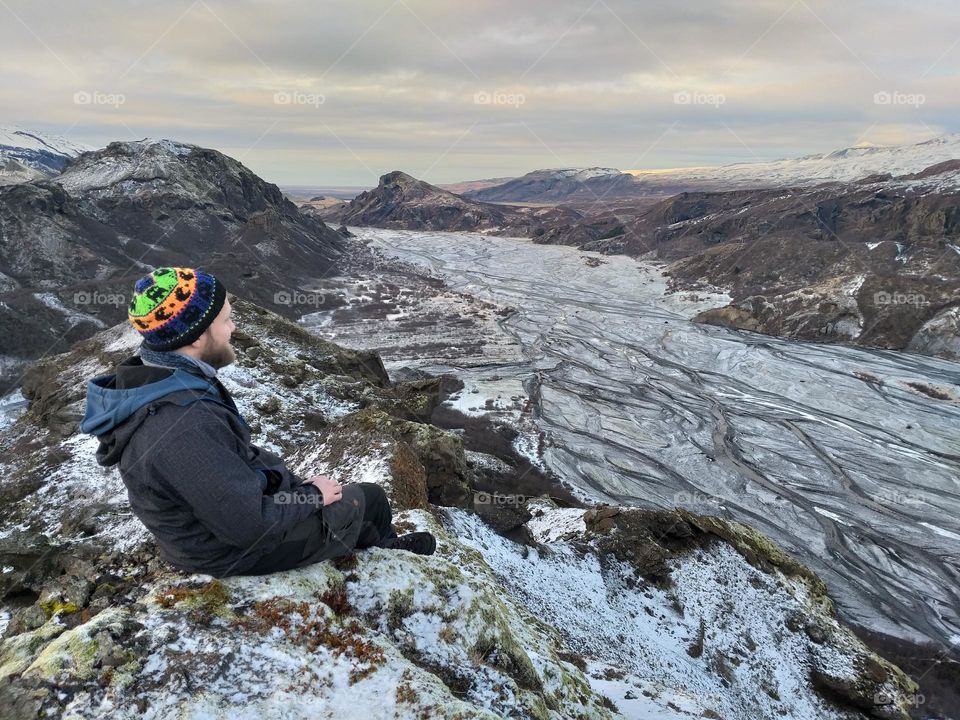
(340, 92)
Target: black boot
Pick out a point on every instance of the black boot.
(420, 543)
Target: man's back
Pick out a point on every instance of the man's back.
(185, 455)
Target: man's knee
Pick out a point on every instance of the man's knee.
(347, 512)
(374, 495)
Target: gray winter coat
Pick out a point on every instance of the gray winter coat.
(214, 501)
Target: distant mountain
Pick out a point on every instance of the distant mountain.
(607, 184)
(563, 185)
(402, 201)
(72, 246)
(846, 165)
(462, 188)
(299, 193)
(28, 155)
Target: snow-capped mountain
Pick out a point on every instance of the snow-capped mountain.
(607, 184)
(27, 154)
(846, 165)
(584, 173)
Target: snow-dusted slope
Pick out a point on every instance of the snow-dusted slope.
(844, 165)
(557, 185)
(42, 152)
(645, 614)
(583, 173)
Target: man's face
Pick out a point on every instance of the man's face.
(217, 350)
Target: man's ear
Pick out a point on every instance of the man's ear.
(201, 342)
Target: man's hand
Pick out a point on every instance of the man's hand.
(330, 489)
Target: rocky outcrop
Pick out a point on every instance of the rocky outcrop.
(404, 202)
(13, 171)
(940, 335)
(602, 613)
(71, 247)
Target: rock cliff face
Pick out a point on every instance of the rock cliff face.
(876, 263)
(72, 246)
(648, 614)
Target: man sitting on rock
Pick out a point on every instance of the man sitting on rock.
(215, 502)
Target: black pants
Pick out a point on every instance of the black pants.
(361, 519)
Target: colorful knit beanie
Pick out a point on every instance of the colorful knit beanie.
(171, 307)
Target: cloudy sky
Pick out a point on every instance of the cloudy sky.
(341, 91)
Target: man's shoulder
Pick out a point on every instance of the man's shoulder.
(191, 412)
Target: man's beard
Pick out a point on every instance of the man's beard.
(219, 356)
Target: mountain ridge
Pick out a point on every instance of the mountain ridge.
(71, 246)
(842, 165)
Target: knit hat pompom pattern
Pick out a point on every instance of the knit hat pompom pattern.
(171, 307)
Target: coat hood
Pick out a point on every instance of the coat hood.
(112, 400)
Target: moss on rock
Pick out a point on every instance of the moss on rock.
(75, 651)
(203, 603)
(19, 651)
